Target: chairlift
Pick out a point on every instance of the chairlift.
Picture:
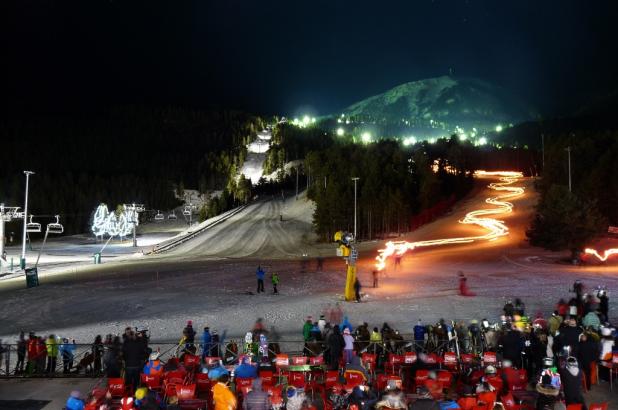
(159, 216)
(187, 211)
(172, 215)
(55, 227)
(33, 226)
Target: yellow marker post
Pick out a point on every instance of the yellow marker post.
(350, 295)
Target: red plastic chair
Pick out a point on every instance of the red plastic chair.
(243, 382)
(446, 378)
(203, 383)
(410, 357)
(299, 360)
(331, 379)
(431, 359)
(152, 382)
(598, 406)
(516, 379)
(467, 358)
(487, 399)
(316, 361)
(394, 363)
(116, 387)
(169, 391)
(268, 377)
(467, 403)
(421, 376)
(496, 382)
(186, 392)
(574, 407)
(489, 358)
(191, 361)
(369, 360)
(353, 378)
(175, 377)
(297, 379)
(450, 360)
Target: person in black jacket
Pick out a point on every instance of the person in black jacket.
(512, 346)
(568, 337)
(133, 356)
(335, 347)
(587, 354)
(571, 378)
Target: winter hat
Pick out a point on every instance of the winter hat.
(206, 328)
(309, 318)
(606, 331)
(76, 394)
(189, 323)
(490, 370)
(346, 331)
(572, 362)
(154, 356)
(291, 392)
(321, 317)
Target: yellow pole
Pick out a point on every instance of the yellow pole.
(349, 283)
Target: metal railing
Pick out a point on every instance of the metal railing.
(218, 219)
(83, 363)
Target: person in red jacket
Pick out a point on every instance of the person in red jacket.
(41, 355)
(463, 285)
(32, 352)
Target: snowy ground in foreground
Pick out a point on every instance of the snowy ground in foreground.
(210, 282)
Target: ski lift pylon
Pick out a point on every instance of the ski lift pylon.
(55, 227)
(33, 226)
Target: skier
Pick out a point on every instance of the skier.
(603, 303)
(357, 288)
(260, 279)
(463, 286)
(374, 275)
(419, 335)
(274, 278)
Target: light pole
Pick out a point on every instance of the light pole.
(568, 150)
(23, 242)
(543, 149)
(355, 179)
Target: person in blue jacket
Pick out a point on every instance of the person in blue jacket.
(217, 371)
(206, 342)
(419, 335)
(344, 324)
(245, 370)
(260, 279)
(75, 402)
(67, 352)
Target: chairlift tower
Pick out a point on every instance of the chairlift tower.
(23, 242)
(134, 210)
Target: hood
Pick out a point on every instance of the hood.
(547, 390)
(574, 370)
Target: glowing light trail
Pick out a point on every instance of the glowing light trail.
(606, 254)
(478, 217)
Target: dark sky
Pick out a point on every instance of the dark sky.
(284, 56)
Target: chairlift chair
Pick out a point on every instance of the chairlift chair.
(55, 227)
(33, 226)
(172, 215)
(159, 216)
(187, 211)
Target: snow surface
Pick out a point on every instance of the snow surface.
(210, 280)
(253, 165)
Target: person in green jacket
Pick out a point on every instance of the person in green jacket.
(307, 328)
(274, 278)
(52, 354)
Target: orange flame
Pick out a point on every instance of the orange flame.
(606, 254)
(495, 227)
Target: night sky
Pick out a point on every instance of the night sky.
(282, 57)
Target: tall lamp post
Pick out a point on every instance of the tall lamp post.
(23, 242)
(568, 150)
(355, 179)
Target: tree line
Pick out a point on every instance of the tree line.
(122, 155)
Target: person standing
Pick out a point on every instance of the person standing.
(222, 395)
(21, 353)
(357, 288)
(374, 275)
(97, 352)
(274, 278)
(349, 345)
(133, 354)
(67, 352)
(52, 354)
(260, 279)
(571, 378)
(335, 347)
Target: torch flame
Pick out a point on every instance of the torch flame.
(495, 227)
(606, 254)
